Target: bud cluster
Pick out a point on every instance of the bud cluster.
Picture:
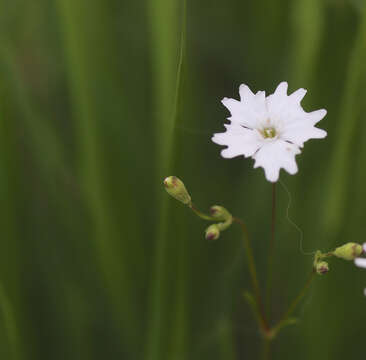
(176, 188)
(348, 251)
(320, 266)
(218, 213)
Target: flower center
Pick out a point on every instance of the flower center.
(269, 132)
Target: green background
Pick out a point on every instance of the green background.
(96, 261)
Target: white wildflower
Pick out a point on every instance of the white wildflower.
(269, 129)
(361, 262)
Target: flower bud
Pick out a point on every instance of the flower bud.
(212, 232)
(176, 188)
(348, 251)
(322, 267)
(219, 212)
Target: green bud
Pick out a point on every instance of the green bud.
(348, 251)
(176, 188)
(219, 213)
(322, 267)
(212, 232)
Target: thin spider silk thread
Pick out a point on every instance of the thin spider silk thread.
(299, 230)
(197, 131)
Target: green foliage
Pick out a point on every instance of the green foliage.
(99, 102)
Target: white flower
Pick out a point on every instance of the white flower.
(269, 129)
(361, 262)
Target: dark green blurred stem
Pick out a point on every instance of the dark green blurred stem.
(271, 251)
(13, 323)
(266, 354)
(227, 342)
(253, 273)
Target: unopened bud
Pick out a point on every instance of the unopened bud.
(348, 251)
(212, 232)
(219, 212)
(176, 188)
(322, 267)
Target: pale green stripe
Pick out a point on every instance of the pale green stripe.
(10, 324)
(339, 177)
(91, 57)
(227, 341)
(308, 26)
(164, 23)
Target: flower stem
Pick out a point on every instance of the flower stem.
(201, 214)
(294, 303)
(258, 306)
(253, 273)
(271, 250)
(300, 296)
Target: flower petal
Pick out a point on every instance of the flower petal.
(297, 95)
(290, 119)
(250, 110)
(274, 155)
(361, 262)
(245, 92)
(281, 89)
(281, 115)
(285, 109)
(240, 141)
(278, 100)
(316, 116)
(300, 132)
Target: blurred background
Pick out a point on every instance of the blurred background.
(99, 101)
